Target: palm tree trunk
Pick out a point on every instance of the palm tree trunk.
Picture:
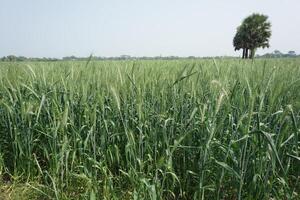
(246, 53)
(252, 53)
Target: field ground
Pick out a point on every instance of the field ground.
(182, 129)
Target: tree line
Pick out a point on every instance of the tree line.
(275, 54)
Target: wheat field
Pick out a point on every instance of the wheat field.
(180, 129)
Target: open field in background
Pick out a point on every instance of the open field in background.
(203, 129)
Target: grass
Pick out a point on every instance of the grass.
(202, 129)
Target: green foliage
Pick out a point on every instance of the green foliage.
(205, 129)
(253, 33)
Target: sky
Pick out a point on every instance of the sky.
(57, 28)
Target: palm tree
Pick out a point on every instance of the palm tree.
(240, 43)
(254, 33)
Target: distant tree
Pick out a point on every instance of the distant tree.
(253, 33)
(70, 58)
(21, 58)
(292, 53)
(11, 58)
(277, 54)
(124, 57)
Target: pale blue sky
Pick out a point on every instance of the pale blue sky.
(56, 28)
